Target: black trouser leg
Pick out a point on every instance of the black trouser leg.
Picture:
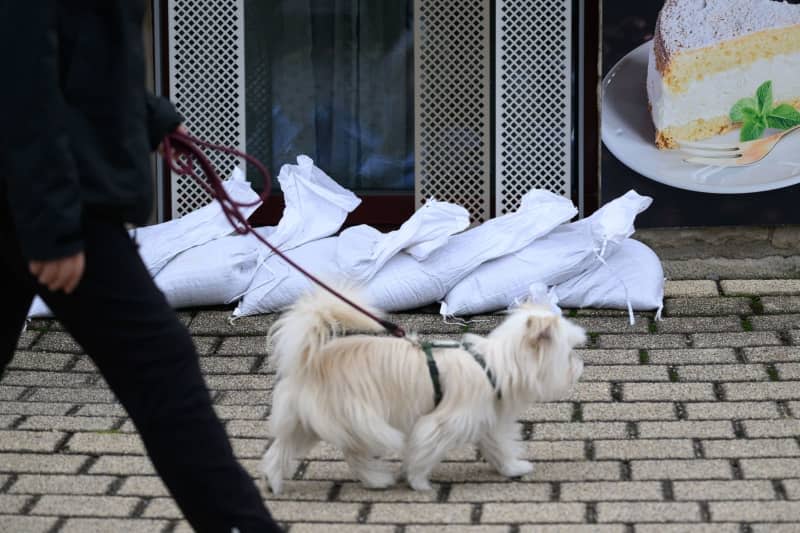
(147, 357)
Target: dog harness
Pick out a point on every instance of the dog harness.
(433, 369)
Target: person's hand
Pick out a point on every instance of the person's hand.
(179, 129)
(59, 274)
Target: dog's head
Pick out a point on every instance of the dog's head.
(542, 343)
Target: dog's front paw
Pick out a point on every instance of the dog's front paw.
(275, 487)
(420, 483)
(516, 468)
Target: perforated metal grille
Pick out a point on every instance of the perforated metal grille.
(207, 84)
(533, 99)
(452, 102)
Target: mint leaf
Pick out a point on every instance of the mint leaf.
(783, 117)
(752, 130)
(764, 97)
(745, 104)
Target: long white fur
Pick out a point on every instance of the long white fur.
(372, 396)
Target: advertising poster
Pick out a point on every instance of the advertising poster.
(685, 83)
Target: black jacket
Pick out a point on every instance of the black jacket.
(77, 124)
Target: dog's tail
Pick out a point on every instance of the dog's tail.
(310, 323)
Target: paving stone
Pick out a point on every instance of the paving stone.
(39, 361)
(101, 409)
(462, 528)
(760, 287)
(248, 428)
(149, 486)
(331, 471)
(61, 484)
(504, 513)
(625, 373)
(770, 468)
(788, 371)
(781, 304)
(792, 488)
(731, 410)
(30, 441)
(644, 449)
(775, 322)
(794, 337)
(741, 511)
(500, 492)
(34, 408)
(678, 392)
(255, 412)
(548, 412)
(681, 469)
(624, 411)
(692, 356)
(106, 525)
(686, 429)
(553, 450)
(163, 508)
(611, 491)
(745, 338)
(242, 346)
(573, 528)
(13, 504)
(205, 345)
(103, 443)
(345, 528)
(772, 354)
(722, 373)
(647, 512)
(27, 338)
(325, 451)
(706, 306)
(579, 430)
(619, 324)
(226, 365)
(123, 465)
(647, 342)
(784, 390)
(774, 528)
(609, 357)
(687, 528)
(355, 492)
(28, 378)
(239, 382)
(674, 289)
(27, 524)
(699, 324)
(56, 341)
(575, 471)
(20, 463)
(772, 428)
(69, 423)
(218, 323)
(256, 397)
(73, 395)
(11, 393)
(7, 421)
(84, 505)
(723, 490)
(591, 392)
(751, 448)
(451, 513)
(320, 511)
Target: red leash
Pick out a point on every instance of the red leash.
(184, 153)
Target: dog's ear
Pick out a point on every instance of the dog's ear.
(540, 327)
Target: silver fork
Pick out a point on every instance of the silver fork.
(732, 155)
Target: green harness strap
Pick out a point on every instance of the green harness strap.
(433, 369)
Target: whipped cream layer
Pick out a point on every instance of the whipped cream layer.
(715, 94)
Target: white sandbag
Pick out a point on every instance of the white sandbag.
(405, 283)
(563, 254)
(214, 273)
(632, 276)
(277, 285)
(316, 206)
(160, 243)
(362, 250)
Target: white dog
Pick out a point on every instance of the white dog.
(372, 396)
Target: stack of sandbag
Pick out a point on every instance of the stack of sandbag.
(352, 258)
(567, 252)
(159, 244)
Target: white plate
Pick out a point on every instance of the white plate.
(628, 132)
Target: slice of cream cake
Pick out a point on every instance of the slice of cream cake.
(708, 54)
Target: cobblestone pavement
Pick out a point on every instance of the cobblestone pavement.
(689, 424)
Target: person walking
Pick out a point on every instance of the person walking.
(76, 132)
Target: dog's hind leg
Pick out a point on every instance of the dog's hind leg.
(501, 448)
(373, 472)
(277, 461)
(433, 435)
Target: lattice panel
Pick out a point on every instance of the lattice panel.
(533, 99)
(207, 82)
(452, 103)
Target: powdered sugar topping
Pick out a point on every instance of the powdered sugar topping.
(688, 24)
